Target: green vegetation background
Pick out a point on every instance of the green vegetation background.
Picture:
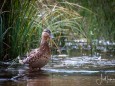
(21, 22)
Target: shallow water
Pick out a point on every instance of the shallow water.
(62, 71)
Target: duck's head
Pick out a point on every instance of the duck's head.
(46, 34)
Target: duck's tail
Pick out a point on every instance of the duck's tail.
(20, 61)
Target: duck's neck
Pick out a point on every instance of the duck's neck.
(43, 40)
(44, 46)
(44, 43)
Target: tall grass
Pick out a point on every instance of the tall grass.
(27, 19)
(22, 32)
(25, 32)
(3, 27)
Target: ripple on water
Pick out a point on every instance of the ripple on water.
(83, 62)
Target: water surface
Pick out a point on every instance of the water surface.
(62, 71)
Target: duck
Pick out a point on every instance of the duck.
(39, 57)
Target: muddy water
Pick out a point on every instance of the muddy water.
(62, 71)
(61, 81)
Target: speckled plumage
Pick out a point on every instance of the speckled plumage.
(39, 57)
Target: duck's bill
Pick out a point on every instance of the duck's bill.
(51, 36)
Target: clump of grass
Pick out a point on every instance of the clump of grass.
(28, 18)
(23, 32)
(62, 17)
(24, 27)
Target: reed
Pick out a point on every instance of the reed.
(25, 31)
(21, 30)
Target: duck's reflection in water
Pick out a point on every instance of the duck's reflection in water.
(36, 78)
(39, 80)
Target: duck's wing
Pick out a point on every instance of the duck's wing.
(32, 56)
(32, 52)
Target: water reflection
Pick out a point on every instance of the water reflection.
(39, 80)
(62, 81)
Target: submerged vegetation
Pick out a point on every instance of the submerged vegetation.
(22, 21)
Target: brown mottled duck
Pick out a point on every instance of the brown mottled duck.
(39, 57)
